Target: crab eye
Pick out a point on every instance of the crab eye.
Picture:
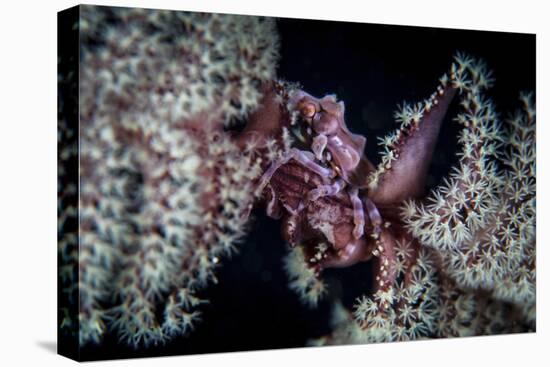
(308, 110)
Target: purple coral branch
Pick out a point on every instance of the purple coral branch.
(413, 146)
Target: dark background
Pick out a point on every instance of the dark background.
(373, 68)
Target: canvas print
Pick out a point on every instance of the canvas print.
(231, 183)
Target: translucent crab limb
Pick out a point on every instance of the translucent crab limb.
(373, 214)
(326, 190)
(358, 214)
(273, 209)
(318, 146)
(345, 153)
(303, 157)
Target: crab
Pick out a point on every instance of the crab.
(334, 156)
(320, 189)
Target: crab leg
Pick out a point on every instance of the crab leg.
(273, 210)
(326, 190)
(306, 159)
(303, 157)
(358, 214)
(374, 215)
(318, 146)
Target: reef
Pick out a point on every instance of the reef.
(186, 131)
